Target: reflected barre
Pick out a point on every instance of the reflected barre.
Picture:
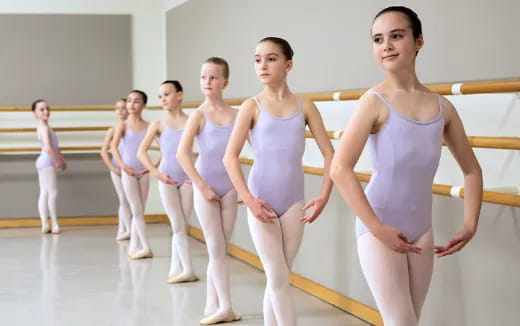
(475, 141)
(475, 87)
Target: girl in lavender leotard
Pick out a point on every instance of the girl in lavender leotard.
(175, 188)
(50, 158)
(135, 176)
(405, 124)
(124, 213)
(274, 194)
(215, 199)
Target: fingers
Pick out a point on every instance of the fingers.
(449, 250)
(308, 205)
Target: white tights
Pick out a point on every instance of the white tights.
(136, 191)
(124, 212)
(277, 245)
(217, 219)
(47, 198)
(399, 282)
(178, 203)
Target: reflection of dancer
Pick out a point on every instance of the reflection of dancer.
(405, 124)
(124, 213)
(174, 187)
(50, 158)
(139, 271)
(274, 195)
(215, 199)
(135, 177)
(124, 287)
(48, 265)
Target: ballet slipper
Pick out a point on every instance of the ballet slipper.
(142, 254)
(123, 236)
(183, 278)
(220, 317)
(55, 229)
(46, 228)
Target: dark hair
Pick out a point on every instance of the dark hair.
(143, 95)
(33, 106)
(122, 99)
(220, 62)
(410, 14)
(175, 83)
(283, 44)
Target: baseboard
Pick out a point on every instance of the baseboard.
(330, 296)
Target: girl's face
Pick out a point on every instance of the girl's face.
(135, 103)
(42, 111)
(271, 66)
(169, 97)
(121, 111)
(394, 45)
(212, 80)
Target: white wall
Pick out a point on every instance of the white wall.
(148, 30)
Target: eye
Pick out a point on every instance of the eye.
(272, 59)
(397, 36)
(377, 39)
(257, 60)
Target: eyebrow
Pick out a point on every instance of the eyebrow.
(392, 31)
(273, 53)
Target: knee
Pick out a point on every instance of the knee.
(400, 318)
(216, 251)
(277, 278)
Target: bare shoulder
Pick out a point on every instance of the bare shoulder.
(249, 105)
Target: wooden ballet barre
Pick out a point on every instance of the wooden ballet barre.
(438, 189)
(475, 141)
(472, 87)
(57, 129)
(98, 108)
(62, 149)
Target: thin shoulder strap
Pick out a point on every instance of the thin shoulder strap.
(381, 98)
(258, 103)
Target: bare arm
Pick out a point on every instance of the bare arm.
(116, 139)
(142, 153)
(105, 148)
(184, 156)
(351, 146)
(457, 141)
(45, 135)
(243, 123)
(315, 123)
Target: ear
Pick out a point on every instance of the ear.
(226, 83)
(289, 65)
(180, 95)
(419, 43)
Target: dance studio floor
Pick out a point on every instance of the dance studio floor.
(83, 277)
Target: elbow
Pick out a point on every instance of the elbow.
(228, 158)
(337, 171)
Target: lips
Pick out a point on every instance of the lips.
(390, 56)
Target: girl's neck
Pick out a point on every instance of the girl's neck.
(277, 92)
(176, 112)
(216, 102)
(405, 80)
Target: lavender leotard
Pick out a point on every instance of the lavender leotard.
(169, 141)
(212, 141)
(44, 160)
(405, 154)
(278, 145)
(131, 141)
